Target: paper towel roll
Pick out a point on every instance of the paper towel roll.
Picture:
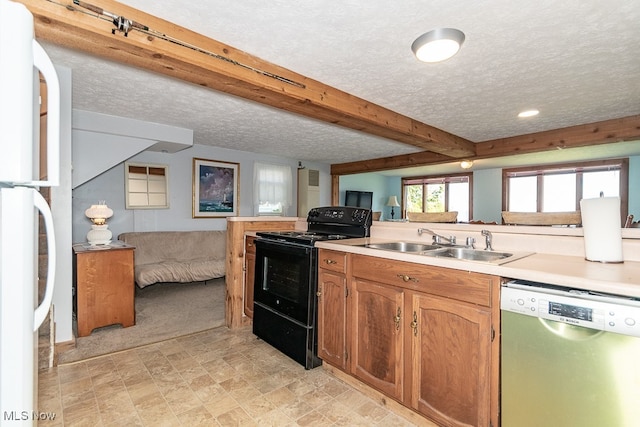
(602, 229)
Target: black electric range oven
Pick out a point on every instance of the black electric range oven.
(286, 279)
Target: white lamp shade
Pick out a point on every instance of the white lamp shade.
(99, 233)
(99, 212)
(393, 201)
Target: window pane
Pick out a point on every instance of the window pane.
(435, 198)
(138, 199)
(559, 193)
(459, 200)
(158, 199)
(137, 186)
(606, 181)
(414, 198)
(272, 188)
(523, 194)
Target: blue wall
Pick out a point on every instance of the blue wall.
(382, 187)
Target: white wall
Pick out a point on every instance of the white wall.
(61, 211)
(109, 186)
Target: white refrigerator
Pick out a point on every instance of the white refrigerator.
(21, 61)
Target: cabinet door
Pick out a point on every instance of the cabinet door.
(249, 275)
(105, 289)
(450, 361)
(332, 321)
(377, 336)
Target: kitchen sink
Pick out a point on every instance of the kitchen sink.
(464, 253)
(402, 246)
(468, 254)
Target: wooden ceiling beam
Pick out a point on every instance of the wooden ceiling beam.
(615, 130)
(225, 69)
(608, 131)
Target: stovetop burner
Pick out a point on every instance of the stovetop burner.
(300, 236)
(327, 223)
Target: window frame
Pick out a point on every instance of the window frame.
(433, 179)
(129, 204)
(287, 188)
(579, 168)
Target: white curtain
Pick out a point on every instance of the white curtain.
(272, 188)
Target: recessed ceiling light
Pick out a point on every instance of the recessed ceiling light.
(528, 113)
(438, 45)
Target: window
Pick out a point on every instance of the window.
(146, 186)
(439, 194)
(271, 189)
(559, 188)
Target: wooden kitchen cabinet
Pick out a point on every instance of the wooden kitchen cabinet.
(332, 308)
(424, 336)
(249, 274)
(378, 336)
(104, 287)
(450, 368)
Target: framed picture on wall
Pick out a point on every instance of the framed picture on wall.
(215, 188)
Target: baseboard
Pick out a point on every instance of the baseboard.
(380, 398)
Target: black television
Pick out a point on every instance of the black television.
(359, 199)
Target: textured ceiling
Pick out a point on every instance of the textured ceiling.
(576, 61)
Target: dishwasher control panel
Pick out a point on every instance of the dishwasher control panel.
(602, 312)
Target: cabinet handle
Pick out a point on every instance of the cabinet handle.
(406, 278)
(396, 319)
(414, 324)
(330, 261)
(319, 292)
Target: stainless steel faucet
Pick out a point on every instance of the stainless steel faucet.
(488, 239)
(436, 237)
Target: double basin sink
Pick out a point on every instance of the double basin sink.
(446, 251)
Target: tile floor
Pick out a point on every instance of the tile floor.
(219, 377)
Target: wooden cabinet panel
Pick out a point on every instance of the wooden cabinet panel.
(332, 318)
(450, 361)
(249, 275)
(457, 284)
(377, 336)
(104, 288)
(421, 335)
(332, 260)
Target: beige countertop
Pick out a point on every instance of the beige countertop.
(562, 270)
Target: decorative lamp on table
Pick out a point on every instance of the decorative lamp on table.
(393, 202)
(99, 233)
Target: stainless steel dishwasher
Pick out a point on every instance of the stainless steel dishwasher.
(569, 357)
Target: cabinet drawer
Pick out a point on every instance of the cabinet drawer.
(332, 260)
(461, 285)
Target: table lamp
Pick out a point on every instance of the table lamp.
(393, 202)
(99, 233)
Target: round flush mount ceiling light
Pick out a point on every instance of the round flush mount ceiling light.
(438, 45)
(466, 164)
(528, 113)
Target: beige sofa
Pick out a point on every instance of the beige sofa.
(177, 256)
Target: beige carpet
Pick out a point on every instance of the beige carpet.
(163, 311)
